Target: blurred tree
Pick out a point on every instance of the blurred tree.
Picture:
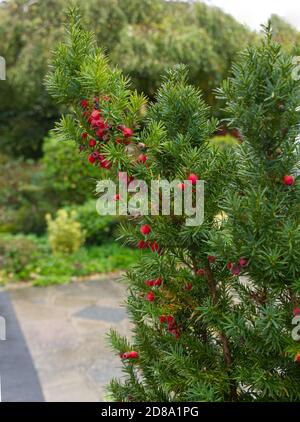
(141, 36)
(284, 33)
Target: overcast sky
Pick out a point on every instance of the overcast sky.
(256, 12)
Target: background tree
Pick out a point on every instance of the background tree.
(141, 36)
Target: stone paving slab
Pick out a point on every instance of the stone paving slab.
(65, 328)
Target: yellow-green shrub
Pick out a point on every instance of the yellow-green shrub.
(65, 232)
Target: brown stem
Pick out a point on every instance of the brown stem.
(223, 338)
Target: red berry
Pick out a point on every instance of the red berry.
(145, 229)
(158, 282)
(163, 319)
(94, 123)
(298, 357)
(192, 178)
(141, 244)
(181, 186)
(125, 355)
(150, 296)
(171, 323)
(170, 318)
(296, 311)
(100, 132)
(200, 272)
(92, 158)
(117, 197)
(92, 143)
(236, 270)
(84, 103)
(243, 262)
(188, 286)
(155, 247)
(106, 164)
(149, 283)
(211, 259)
(84, 135)
(142, 158)
(133, 355)
(127, 132)
(102, 124)
(288, 180)
(229, 265)
(95, 115)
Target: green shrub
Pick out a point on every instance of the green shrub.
(86, 261)
(18, 253)
(66, 173)
(28, 258)
(65, 233)
(23, 199)
(98, 229)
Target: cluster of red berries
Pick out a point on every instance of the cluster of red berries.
(237, 268)
(154, 283)
(102, 131)
(129, 355)
(171, 324)
(192, 178)
(99, 158)
(146, 244)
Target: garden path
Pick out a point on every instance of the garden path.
(56, 346)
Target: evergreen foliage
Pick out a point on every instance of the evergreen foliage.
(262, 207)
(200, 333)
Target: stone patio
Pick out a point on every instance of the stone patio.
(64, 330)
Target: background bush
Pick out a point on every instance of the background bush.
(67, 174)
(65, 232)
(98, 229)
(17, 253)
(29, 258)
(23, 199)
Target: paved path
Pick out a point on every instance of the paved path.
(56, 347)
